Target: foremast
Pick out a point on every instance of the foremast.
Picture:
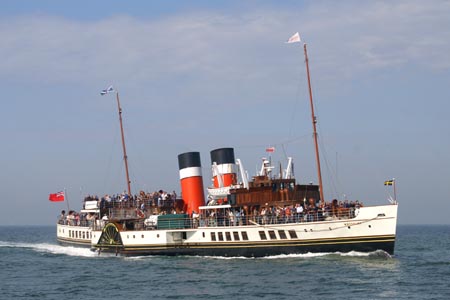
(125, 157)
(110, 89)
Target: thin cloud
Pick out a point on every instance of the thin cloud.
(210, 45)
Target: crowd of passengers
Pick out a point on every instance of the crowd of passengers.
(307, 212)
(142, 200)
(74, 218)
(161, 202)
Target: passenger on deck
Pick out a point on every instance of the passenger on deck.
(162, 198)
(311, 210)
(195, 218)
(334, 208)
(62, 218)
(71, 218)
(264, 216)
(299, 212)
(90, 218)
(232, 218)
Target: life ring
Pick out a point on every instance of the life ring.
(140, 214)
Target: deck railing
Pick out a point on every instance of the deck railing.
(131, 221)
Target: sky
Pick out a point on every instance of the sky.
(201, 75)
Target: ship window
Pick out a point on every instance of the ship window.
(274, 187)
(203, 234)
(76, 234)
(213, 236)
(236, 235)
(228, 236)
(244, 235)
(84, 235)
(184, 235)
(272, 235)
(282, 234)
(262, 235)
(293, 234)
(134, 236)
(142, 236)
(220, 235)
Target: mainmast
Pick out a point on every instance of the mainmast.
(125, 157)
(314, 121)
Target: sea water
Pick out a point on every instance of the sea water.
(34, 266)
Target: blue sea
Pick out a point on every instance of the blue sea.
(34, 266)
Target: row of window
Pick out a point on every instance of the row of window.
(220, 236)
(80, 234)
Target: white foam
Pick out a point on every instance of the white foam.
(303, 255)
(378, 253)
(51, 248)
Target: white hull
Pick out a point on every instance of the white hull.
(374, 228)
(74, 235)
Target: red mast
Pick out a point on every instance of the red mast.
(314, 121)
(125, 157)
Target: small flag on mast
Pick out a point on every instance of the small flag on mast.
(110, 89)
(294, 39)
(270, 149)
(389, 182)
(57, 197)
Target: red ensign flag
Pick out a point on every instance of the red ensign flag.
(58, 197)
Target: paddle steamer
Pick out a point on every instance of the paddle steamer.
(267, 215)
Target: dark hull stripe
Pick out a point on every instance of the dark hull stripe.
(261, 248)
